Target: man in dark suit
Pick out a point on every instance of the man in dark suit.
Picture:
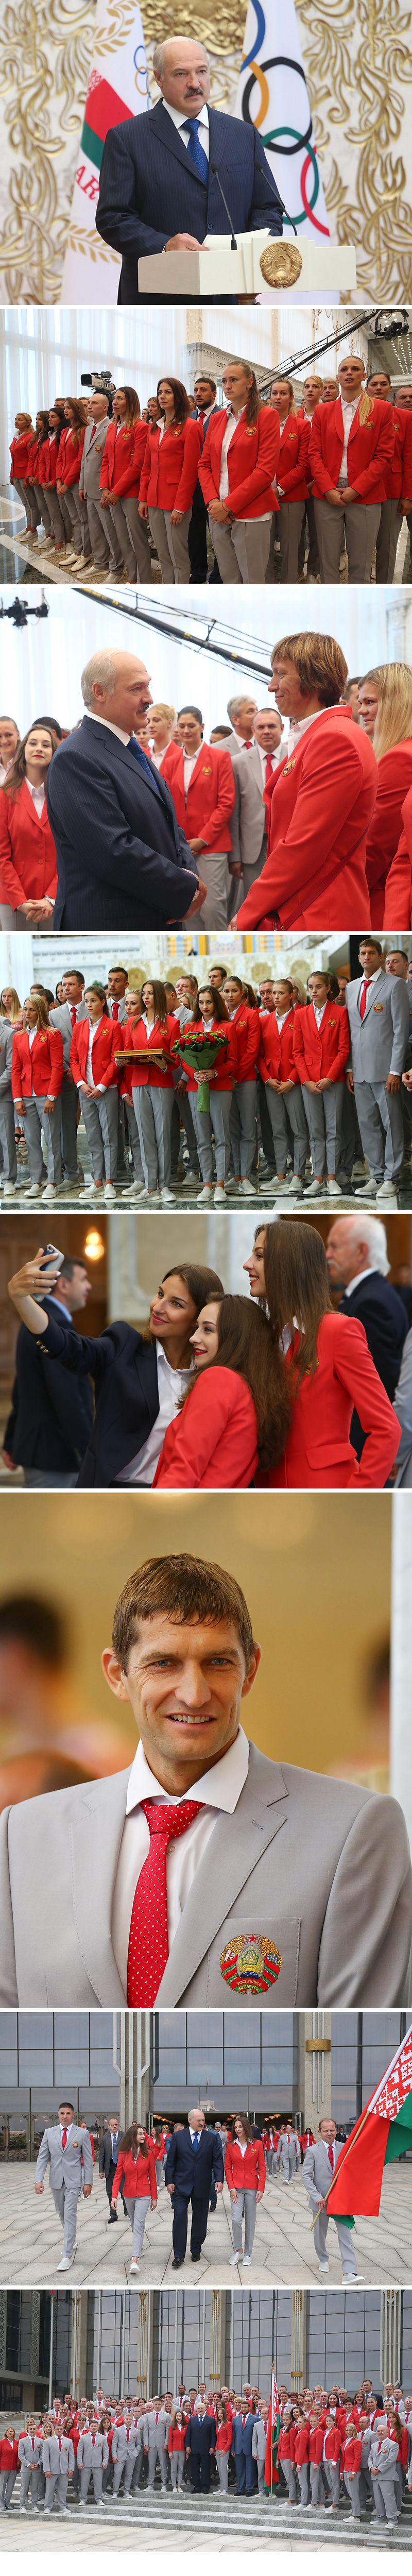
(200, 2445)
(128, 1377)
(357, 1262)
(194, 2155)
(205, 400)
(108, 2155)
(158, 185)
(50, 1422)
(122, 860)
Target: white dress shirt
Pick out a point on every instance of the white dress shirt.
(37, 796)
(189, 764)
(88, 1076)
(109, 728)
(348, 414)
(273, 756)
(228, 433)
(366, 980)
(62, 2125)
(369, 1272)
(172, 1383)
(319, 1012)
(179, 120)
(296, 729)
(217, 1792)
(280, 1016)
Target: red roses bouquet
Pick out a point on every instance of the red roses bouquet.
(200, 1052)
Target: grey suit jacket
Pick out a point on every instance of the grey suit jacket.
(65, 2162)
(379, 1042)
(61, 1019)
(92, 457)
(248, 821)
(319, 1866)
(58, 2455)
(316, 2172)
(6, 1058)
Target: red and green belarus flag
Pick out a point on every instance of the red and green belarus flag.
(382, 2134)
(117, 90)
(273, 2431)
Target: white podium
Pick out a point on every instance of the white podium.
(215, 271)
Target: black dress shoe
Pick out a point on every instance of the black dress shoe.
(177, 2267)
(112, 2221)
(196, 2258)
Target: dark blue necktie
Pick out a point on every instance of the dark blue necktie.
(195, 2143)
(144, 764)
(195, 151)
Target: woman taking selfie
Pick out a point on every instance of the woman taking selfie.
(138, 1377)
(327, 1363)
(234, 1417)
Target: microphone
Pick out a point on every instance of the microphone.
(233, 244)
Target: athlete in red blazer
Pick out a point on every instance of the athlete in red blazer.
(213, 1442)
(245, 2173)
(135, 2177)
(352, 2453)
(252, 460)
(332, 2443)
(316, 2444)
(319, 1449)
(398, 475)
(106, 1040)
(70, 462)
(122, 458)
(370, 450)
(211, 794)
(170, 466)
(321, 806)
(276, 1049)
(43, 461)
(247, 1026)
(37, 1068)
(20, 452)
(398, 889)
(28, 868)
(227, 1062)
(302, 2438)
(134, 1034)
(293, 461)
(321, 1051)
(394, 784)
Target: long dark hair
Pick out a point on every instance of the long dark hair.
(132, 403)
(159, 998)
(254, 1354)
(220, 1011)
(130, 2140)
(92, 987)
(297, 1289)
(253, 404)
(201, 1286)
(246, 2126)
(180, 398)
(16, 775)
(43, 416)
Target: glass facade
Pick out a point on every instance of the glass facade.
(42, 2054)
(230, 2059)
(362, 2047)
(343, 2341)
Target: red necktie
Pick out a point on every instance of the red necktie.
(330, 2154)
(268, 770)
(93, 435)
(73, 1016)
(115, 1010)
(148, 1941)
(367, 980)
(64, 2137)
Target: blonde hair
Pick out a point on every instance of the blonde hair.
(42, 1008)
(285, 380)
(168, 713)
(393, 682)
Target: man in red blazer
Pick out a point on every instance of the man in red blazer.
(321, 802)
(351, 446)
(201, 781)
(398, 477)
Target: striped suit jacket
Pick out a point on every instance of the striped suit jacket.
(149, 189)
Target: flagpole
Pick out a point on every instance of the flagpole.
(271, 2446)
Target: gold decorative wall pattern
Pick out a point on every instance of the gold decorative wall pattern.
(357, 57)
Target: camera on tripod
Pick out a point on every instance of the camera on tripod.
(101, 382)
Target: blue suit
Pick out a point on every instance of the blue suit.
(251, 2475)
(124, 1368)
(200, 2443)
(150, 190)
(190, 2169)
(122, 861)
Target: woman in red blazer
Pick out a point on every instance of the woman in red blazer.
(94, 1046)
(223, 2442)
(246, 2177)
(316, 2439)
(321, 1042)
(276, 1065)
(36, 1081)
(176, 2447)
(28, 872)
(152, 1032)
(302, 2438)
(60, 526)
(322, 800)
(9, 2465)
(235, 1412)
(39, 469)
(120, 473)
(398, 477)
(292, 481)
(286, 2454)
(212, 1127)
(137, 1190)
(328, 1366)
(245, 1022)
(68, 478)
(205, 810)
(398, 890)
(20, 447)
(135, 2177)
(168, 478)
(237, 476)
(385, 707)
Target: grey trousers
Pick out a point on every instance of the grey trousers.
(42, 498)
(282, 1116)
(30, 2479)
(61, 497)
(245, 2204)
(118, 2466)
(37, 1118)
(98, 533)
(56, 515)
(156, 2453)
(288, 2164)
(171, 544)
(56, 2486)
(153, 1110)
(222, 2465)
(332, 2473)
(133, 2468)
(7, 2482)
(134, 1139)
(185, 1115)
(215, 1123)
(8, 1139)
(65, 2203)
(132, 533)
(381, 1126)
(100, 1119)
(287, 526)
(137, 2212)
(387, 540)
(292, 2478)
(324, 1117)
(97, 2475)
(303, 2476)
(177, 2462)
(242, 551)
(213, 868)
(111, 537)
(243, 1127)
(68, 1109)
(317, 2482)
(27, 495)
(359, 522)
(249, 875)
(344, 2236)
(356, 2490)
(78, 519)
(384, 2495)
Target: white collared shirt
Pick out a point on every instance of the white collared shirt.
(280, 1016)
(273, 756)
(62, 2125)
(369, 1272)
(228, 433)
(319, 1013)
(179, 120)
(348, 414)
(172, 1383)
(61, 1309)
(37, 796)
(297, 729)
(189, 764)
(218, 1792)
(109, 728)
(363, 987)
(88, 1076)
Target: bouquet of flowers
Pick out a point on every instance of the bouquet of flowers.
(200, 1053)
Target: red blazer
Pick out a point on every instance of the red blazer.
(370, 450)
(134, 1034)
(227, 1068)
(54, 449)
(106, 1042)
(122, 459)
(246, 1023)
(32, 460)
(398, 477)
(214, 1441)
(293, 460)
(61, 444)
(247, 2172)
(224, 2436)
(38, 1068)
(252, 460)
(170, 466)
(316, 2443)
(332, 2445)
(352, 2454)
(322, 803)
(43, 462)
(27, 849)
(69, 466)
(211, 794)
(9, 2454)
(276, 1049)
(19, 451)
(301, 2445)
(321, 1051)
(176, 2440)
(319, 1450)
(136, 2179)
(398, 889)
(286, 2444)
(394, 782)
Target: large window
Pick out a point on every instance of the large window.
(57, 2049)
(343, 2340)
(227, 2057)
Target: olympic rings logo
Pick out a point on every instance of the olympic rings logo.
(277, 134)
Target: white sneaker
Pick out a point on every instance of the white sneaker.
(246, 2258)
(167, 1198)
(32, 1189)
(9, 1191)
(388, 1192)
(50, 1194)
(135, 2265)
(91, 1191)
(234, 2258)
(333, 1189)
(249, 1189)
(66, 2263)
(272, 1188)
(205, 1196)
(323, 2267)
(110, 1194)
(220, 1196)
(314, 1189)
(296, 1188)
(136, 1190)
(368, 1190)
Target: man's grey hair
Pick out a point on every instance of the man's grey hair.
(369, 1230)
(159, 57)
(234, 706)
(103, 668)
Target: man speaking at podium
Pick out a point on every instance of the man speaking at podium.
(162, 174)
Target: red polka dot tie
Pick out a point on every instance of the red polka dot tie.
(148, 1941)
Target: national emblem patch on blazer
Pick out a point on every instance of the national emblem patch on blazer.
(378, 1006)
(290, 764)
(250, 1963)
